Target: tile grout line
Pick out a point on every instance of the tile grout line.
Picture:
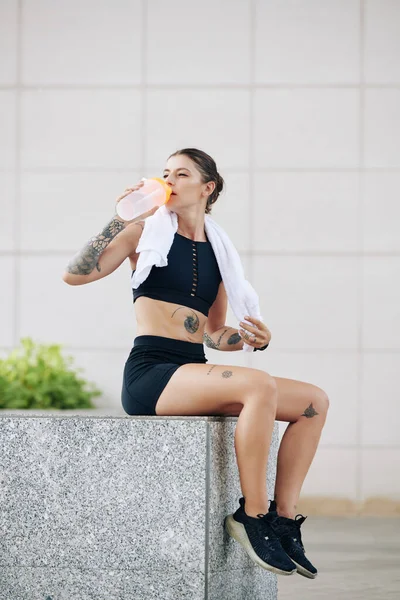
(143, 91)
(251, 139)
(361, 263)
(200, 86)
(250, 267)
(62, 170)
(17, 179)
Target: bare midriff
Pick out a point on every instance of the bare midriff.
(156, 317)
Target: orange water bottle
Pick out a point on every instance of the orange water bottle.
(154, 192)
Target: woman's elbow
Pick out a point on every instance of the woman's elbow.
(69, 278)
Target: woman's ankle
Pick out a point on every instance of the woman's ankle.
(252, 510)
(285, 511)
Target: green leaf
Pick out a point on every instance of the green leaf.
(38, 376)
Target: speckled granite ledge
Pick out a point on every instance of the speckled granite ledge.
(103, 506)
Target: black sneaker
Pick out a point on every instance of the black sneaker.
(289, 535)
(259, 540)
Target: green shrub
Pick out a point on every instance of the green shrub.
(37, 376)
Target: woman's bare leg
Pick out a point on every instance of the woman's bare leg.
(253, 435)
(250, 394)
(305, 406)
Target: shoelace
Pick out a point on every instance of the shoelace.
(266, 521)
(291, 526)
(296, 524)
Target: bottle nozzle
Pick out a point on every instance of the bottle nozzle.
(168, 190)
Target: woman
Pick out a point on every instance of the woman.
(178, 308)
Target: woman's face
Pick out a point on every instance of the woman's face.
(184, 179)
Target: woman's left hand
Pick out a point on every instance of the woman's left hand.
(257, 335)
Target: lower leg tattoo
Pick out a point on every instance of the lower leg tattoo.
(309, 412)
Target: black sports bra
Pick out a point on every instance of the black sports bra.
(191, 278)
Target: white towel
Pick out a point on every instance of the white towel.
(156, 241)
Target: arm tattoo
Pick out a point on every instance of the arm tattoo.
(310, 412)
(209, 342)
(191, 323)
(86, 260)
(234, 339)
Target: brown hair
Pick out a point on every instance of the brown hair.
(208, 170)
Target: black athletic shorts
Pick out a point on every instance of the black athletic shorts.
(150, 365)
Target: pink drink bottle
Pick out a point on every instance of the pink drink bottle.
(154, 192)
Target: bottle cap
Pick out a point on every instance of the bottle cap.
(168, 190)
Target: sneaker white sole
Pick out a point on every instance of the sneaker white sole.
(302, 571)
(238, 532)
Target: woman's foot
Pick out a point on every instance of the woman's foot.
(256, 536)
(289, 535)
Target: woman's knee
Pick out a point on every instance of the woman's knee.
(266, 389)
(321, 402)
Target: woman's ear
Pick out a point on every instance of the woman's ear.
(210, 187)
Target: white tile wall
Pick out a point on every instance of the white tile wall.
(8, 41)
(80, 128)
(91, 42)
(304, 42)
(306, 128)
(382, 128)
(306, 212)
(213, 48)
(97, 315)
(8, 132)
(298, 102)
(7, 300)
(310, 302)
(381, 399)
(382, 41)
(7, 211)
(381, 302)
(378, 467)
(76, 206)
(216, 121)
(381, 212)
(105, 370)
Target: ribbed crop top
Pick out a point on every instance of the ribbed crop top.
(191, 278)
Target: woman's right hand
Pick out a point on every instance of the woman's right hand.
(128, 191)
